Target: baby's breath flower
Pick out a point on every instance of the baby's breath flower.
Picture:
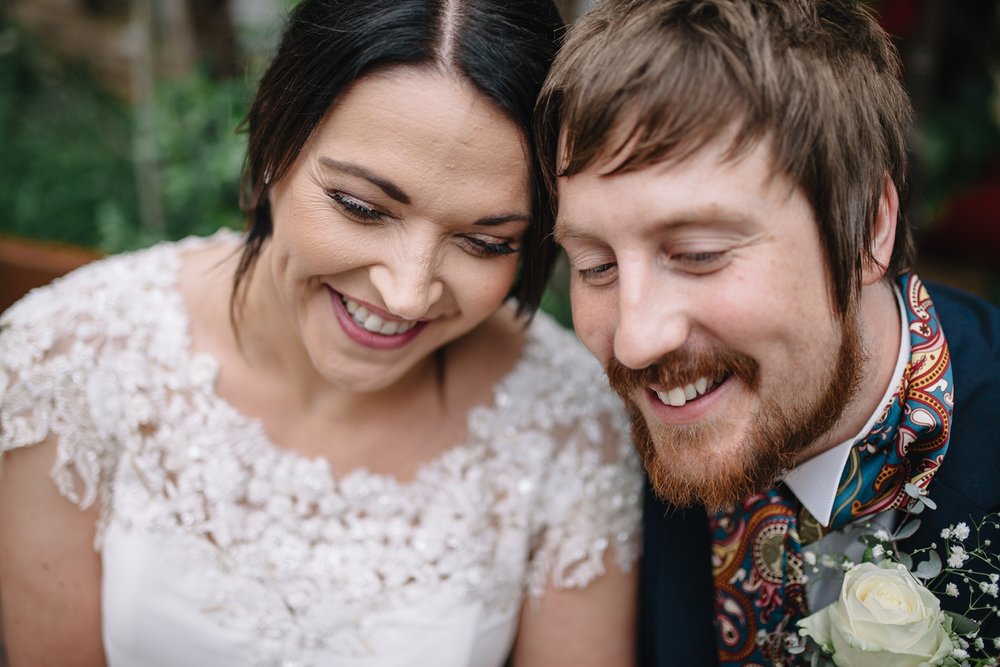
(809, 557)
(952, 590)
(959, 654)
(961, 531)
(946, 533)
(978, 643)
(882, 535)
(957, 557)
(846, 565)
(995, 577)
(878, 550)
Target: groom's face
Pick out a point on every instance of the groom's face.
(702, 287)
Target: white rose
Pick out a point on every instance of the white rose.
(883, 618)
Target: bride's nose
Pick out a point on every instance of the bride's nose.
(408, 280)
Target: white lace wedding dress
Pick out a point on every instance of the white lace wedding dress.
(220, 548)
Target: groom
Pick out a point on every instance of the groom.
(731, 180)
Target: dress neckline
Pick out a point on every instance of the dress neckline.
(361, 476)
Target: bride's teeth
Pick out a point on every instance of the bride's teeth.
(373, 323)
(689, 392)
(700, 385)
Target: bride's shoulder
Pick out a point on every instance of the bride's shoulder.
(90, 291)
(112, 298)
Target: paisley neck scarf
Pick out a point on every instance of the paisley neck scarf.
(757, 548)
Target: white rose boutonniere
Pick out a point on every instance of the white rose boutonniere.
(889, 611)
(883, 617)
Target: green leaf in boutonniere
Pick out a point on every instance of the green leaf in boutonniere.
(930, 568)
(961, 625)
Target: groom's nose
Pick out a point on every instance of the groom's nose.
(652, 316)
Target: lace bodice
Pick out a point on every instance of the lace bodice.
(271, 547)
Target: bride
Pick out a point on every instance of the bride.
(339, 439)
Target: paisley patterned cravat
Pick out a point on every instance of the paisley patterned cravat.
(757, 546)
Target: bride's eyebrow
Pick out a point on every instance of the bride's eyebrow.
(383, 184)
(495, 220)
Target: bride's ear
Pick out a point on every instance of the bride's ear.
(883, 234)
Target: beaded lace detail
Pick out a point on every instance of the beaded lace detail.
(283, 549)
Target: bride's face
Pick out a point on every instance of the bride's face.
(398, 227)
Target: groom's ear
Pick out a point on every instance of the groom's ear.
(883, 234)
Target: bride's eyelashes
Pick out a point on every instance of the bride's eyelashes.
(475, 244)
(355, 208)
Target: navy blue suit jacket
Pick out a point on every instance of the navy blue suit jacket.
(675, 576)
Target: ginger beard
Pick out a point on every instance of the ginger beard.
(684, 463)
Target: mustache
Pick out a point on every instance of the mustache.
(681, 367)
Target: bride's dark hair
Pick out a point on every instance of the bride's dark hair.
(502, 47)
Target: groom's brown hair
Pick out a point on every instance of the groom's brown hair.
(652, 81)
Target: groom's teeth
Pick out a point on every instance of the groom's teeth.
(679, 396)
(373, 322)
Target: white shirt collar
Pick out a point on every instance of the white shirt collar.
(815, 482)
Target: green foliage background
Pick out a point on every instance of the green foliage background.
(67, 172)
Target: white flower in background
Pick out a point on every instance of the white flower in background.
(946, 533)
(883, 617)
(877, 551)
(952, 590)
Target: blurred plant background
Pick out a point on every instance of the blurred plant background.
(951, 58)
(118, 118)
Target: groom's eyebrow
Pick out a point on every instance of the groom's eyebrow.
(730, 220)
(563, 231)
